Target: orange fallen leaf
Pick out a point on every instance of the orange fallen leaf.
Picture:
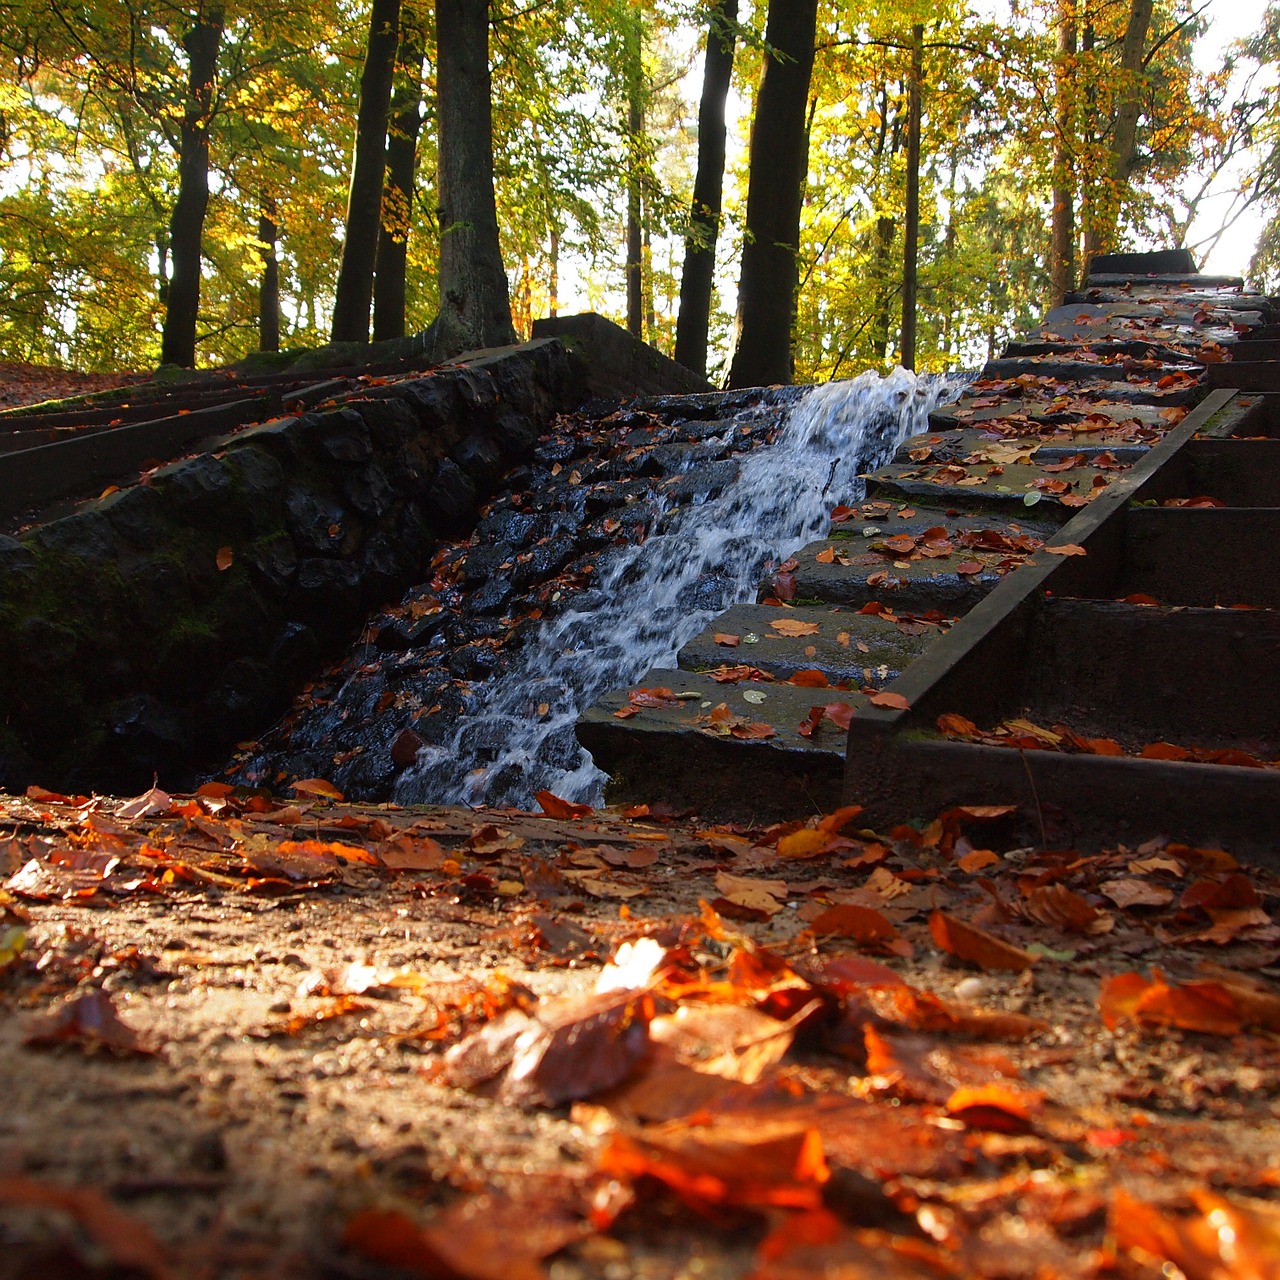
(1194, 1006)
(317, 787)
(556, 807)
(810, 678)
(956, 726)
(224, 558)
(805, 843)
(728, 640)
(1065, 549)
(979, 947)
(793, 627)
(826, 556)
(893, 700)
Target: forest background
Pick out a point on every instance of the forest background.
(1027, 111)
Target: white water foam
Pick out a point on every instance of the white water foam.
(652, 598)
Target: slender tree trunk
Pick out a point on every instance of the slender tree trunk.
(911, 220)
(364, 197)
(475, 305)
(186, 226)
(634, 57)
(1062, 252)
(885, 229)
(397, 190)
(553, 282)
(1089, 136)
(269, 290)
(769, 276)
(698, 276)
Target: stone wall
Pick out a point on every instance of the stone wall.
(150, 629)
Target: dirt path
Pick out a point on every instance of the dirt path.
(802, 1078)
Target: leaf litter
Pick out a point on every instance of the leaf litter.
(483, 1044)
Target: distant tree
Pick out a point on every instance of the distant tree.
(698, 276)
(475, 305)
(364, 200)
(769, 276)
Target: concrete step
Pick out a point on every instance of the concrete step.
(1092, 371)
(867, 560)
(846, 646)
(1039, 446)
(679, 752)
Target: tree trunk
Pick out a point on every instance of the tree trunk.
(397, 191)
(364, 197)
(1062, 267)
(475, 306)
(1101, 236)
(885, 229)
(697, 277)
(769, 276)
(269, 290)
(911, 219)
(186, 226)
(553, 281)
(634, 58)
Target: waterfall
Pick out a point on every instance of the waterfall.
(650, 599)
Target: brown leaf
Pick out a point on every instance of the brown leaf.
(755, 894)
(555, 807)
(794, 627)
(1131, 892)
(90, 1021)
(470, 1240)
(728, 640)
(1065, 549)
(316, 787)
(864, 925)
(1055, 904)
(892, 700)
(956, 726)
(224, 558)
(1194, 1006)
(810, 678)
(730, 1041)
(127, 1242)
(970, 943)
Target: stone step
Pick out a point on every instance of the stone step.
(1004, 488)
(1077, 370)
(846, 646)
(1115, 344)
(1053, 414)
(679, 753)
(846, 568)
(1040, 447)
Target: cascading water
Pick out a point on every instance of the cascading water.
(649, 599)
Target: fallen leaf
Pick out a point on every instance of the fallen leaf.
(317, 787)
(794, 627)
(555, 807)
(90, 1021)
(224, 558)
(968, 942)
(729, 641)
(1065, 549)
(755, 894)
(1194, 1006)
(885, 699)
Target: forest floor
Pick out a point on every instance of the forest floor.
(25, 384)
(248, 1037)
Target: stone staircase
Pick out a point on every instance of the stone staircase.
(1085, 542)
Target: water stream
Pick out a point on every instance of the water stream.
(652, 598)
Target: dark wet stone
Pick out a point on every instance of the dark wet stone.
(452, 497)
(370, 491)
(273, 563)
(385, 566)
(541, 561)
(415, 532)
(555, 449)
(483, 562)
(316, 520)
(146, 734)
(15, 558)
(45, 644)
(340, 435)
(493, 597)
(410, 633)
(260, 480)
(481, 456)
(508, 526)
(294, 651)
(326, 594)
(390, 422)
(235, 700)
(84, 536)
(158, 587)
(200, 487)
(134, 513)
(474, 661)
(517, 433)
